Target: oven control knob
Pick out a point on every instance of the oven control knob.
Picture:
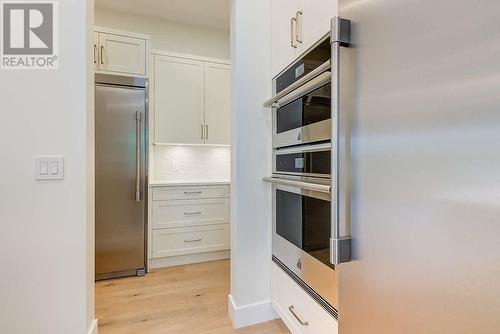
(299, 137)
(299, 264)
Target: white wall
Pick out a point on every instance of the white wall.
(251, 197)
(44, 244)
(167, 35)
(193, 163)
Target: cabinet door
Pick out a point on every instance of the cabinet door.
(122, 54)
(217, 104)
(179, 100)
(96, 50)
(314, 23)
(282, 51)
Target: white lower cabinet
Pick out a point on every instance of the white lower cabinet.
(189, 240)
(185, 213)
(190, 192)
(189, 220)
(297, 309)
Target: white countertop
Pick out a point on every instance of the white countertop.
(156, 183)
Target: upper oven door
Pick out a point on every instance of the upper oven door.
(302, 99)
(306, 119)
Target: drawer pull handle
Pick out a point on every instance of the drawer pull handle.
(291, 308)
(192, 192)
(192, 213)
(194, 240)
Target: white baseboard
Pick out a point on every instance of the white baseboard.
(93, 329)
(187, 259)
(251, 314)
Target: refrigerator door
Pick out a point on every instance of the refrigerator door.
(120, 126)
(421, 85)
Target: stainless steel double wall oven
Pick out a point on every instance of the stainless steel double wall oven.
(307, 239)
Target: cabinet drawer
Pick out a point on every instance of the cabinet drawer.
(288, 298)
(191, 192)
(178, 213)
(189, 240)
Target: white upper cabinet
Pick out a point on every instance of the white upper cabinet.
(179, 100)
(316, 18)
(284, 41)
(122, 54)
(217, 104)
(296, 26)
(192, 100)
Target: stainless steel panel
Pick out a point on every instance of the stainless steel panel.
(318, 276)
(307, 134)
(120, 220)
(420, 83)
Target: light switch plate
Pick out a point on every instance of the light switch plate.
(49, 168)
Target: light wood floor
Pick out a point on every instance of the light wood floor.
(178, 300)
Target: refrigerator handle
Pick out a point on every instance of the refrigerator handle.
(137, 156)
(340, 242)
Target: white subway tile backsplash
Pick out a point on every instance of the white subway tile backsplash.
(193, 163)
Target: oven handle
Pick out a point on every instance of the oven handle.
(308, 87)
(340, 242)
(272, 102)
(300, 184)
(304, 149)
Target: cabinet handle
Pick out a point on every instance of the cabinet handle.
(192, 192)
(95, 52)
(293, 24)
(202, 135)
(102, 53)
(194, 240)
(206, 134)
(298, 18)
(291, 308)
(192, 213)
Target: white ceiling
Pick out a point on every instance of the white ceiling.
(206, 13)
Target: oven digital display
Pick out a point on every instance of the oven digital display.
(299, 71)
(299, 163)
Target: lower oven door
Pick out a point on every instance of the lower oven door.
(301, 239)
(305, 161)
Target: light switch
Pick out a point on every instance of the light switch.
(49, 168)
(54, 167)
(44, 168)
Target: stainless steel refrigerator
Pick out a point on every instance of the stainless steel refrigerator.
(120, 175)
(419, 103)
